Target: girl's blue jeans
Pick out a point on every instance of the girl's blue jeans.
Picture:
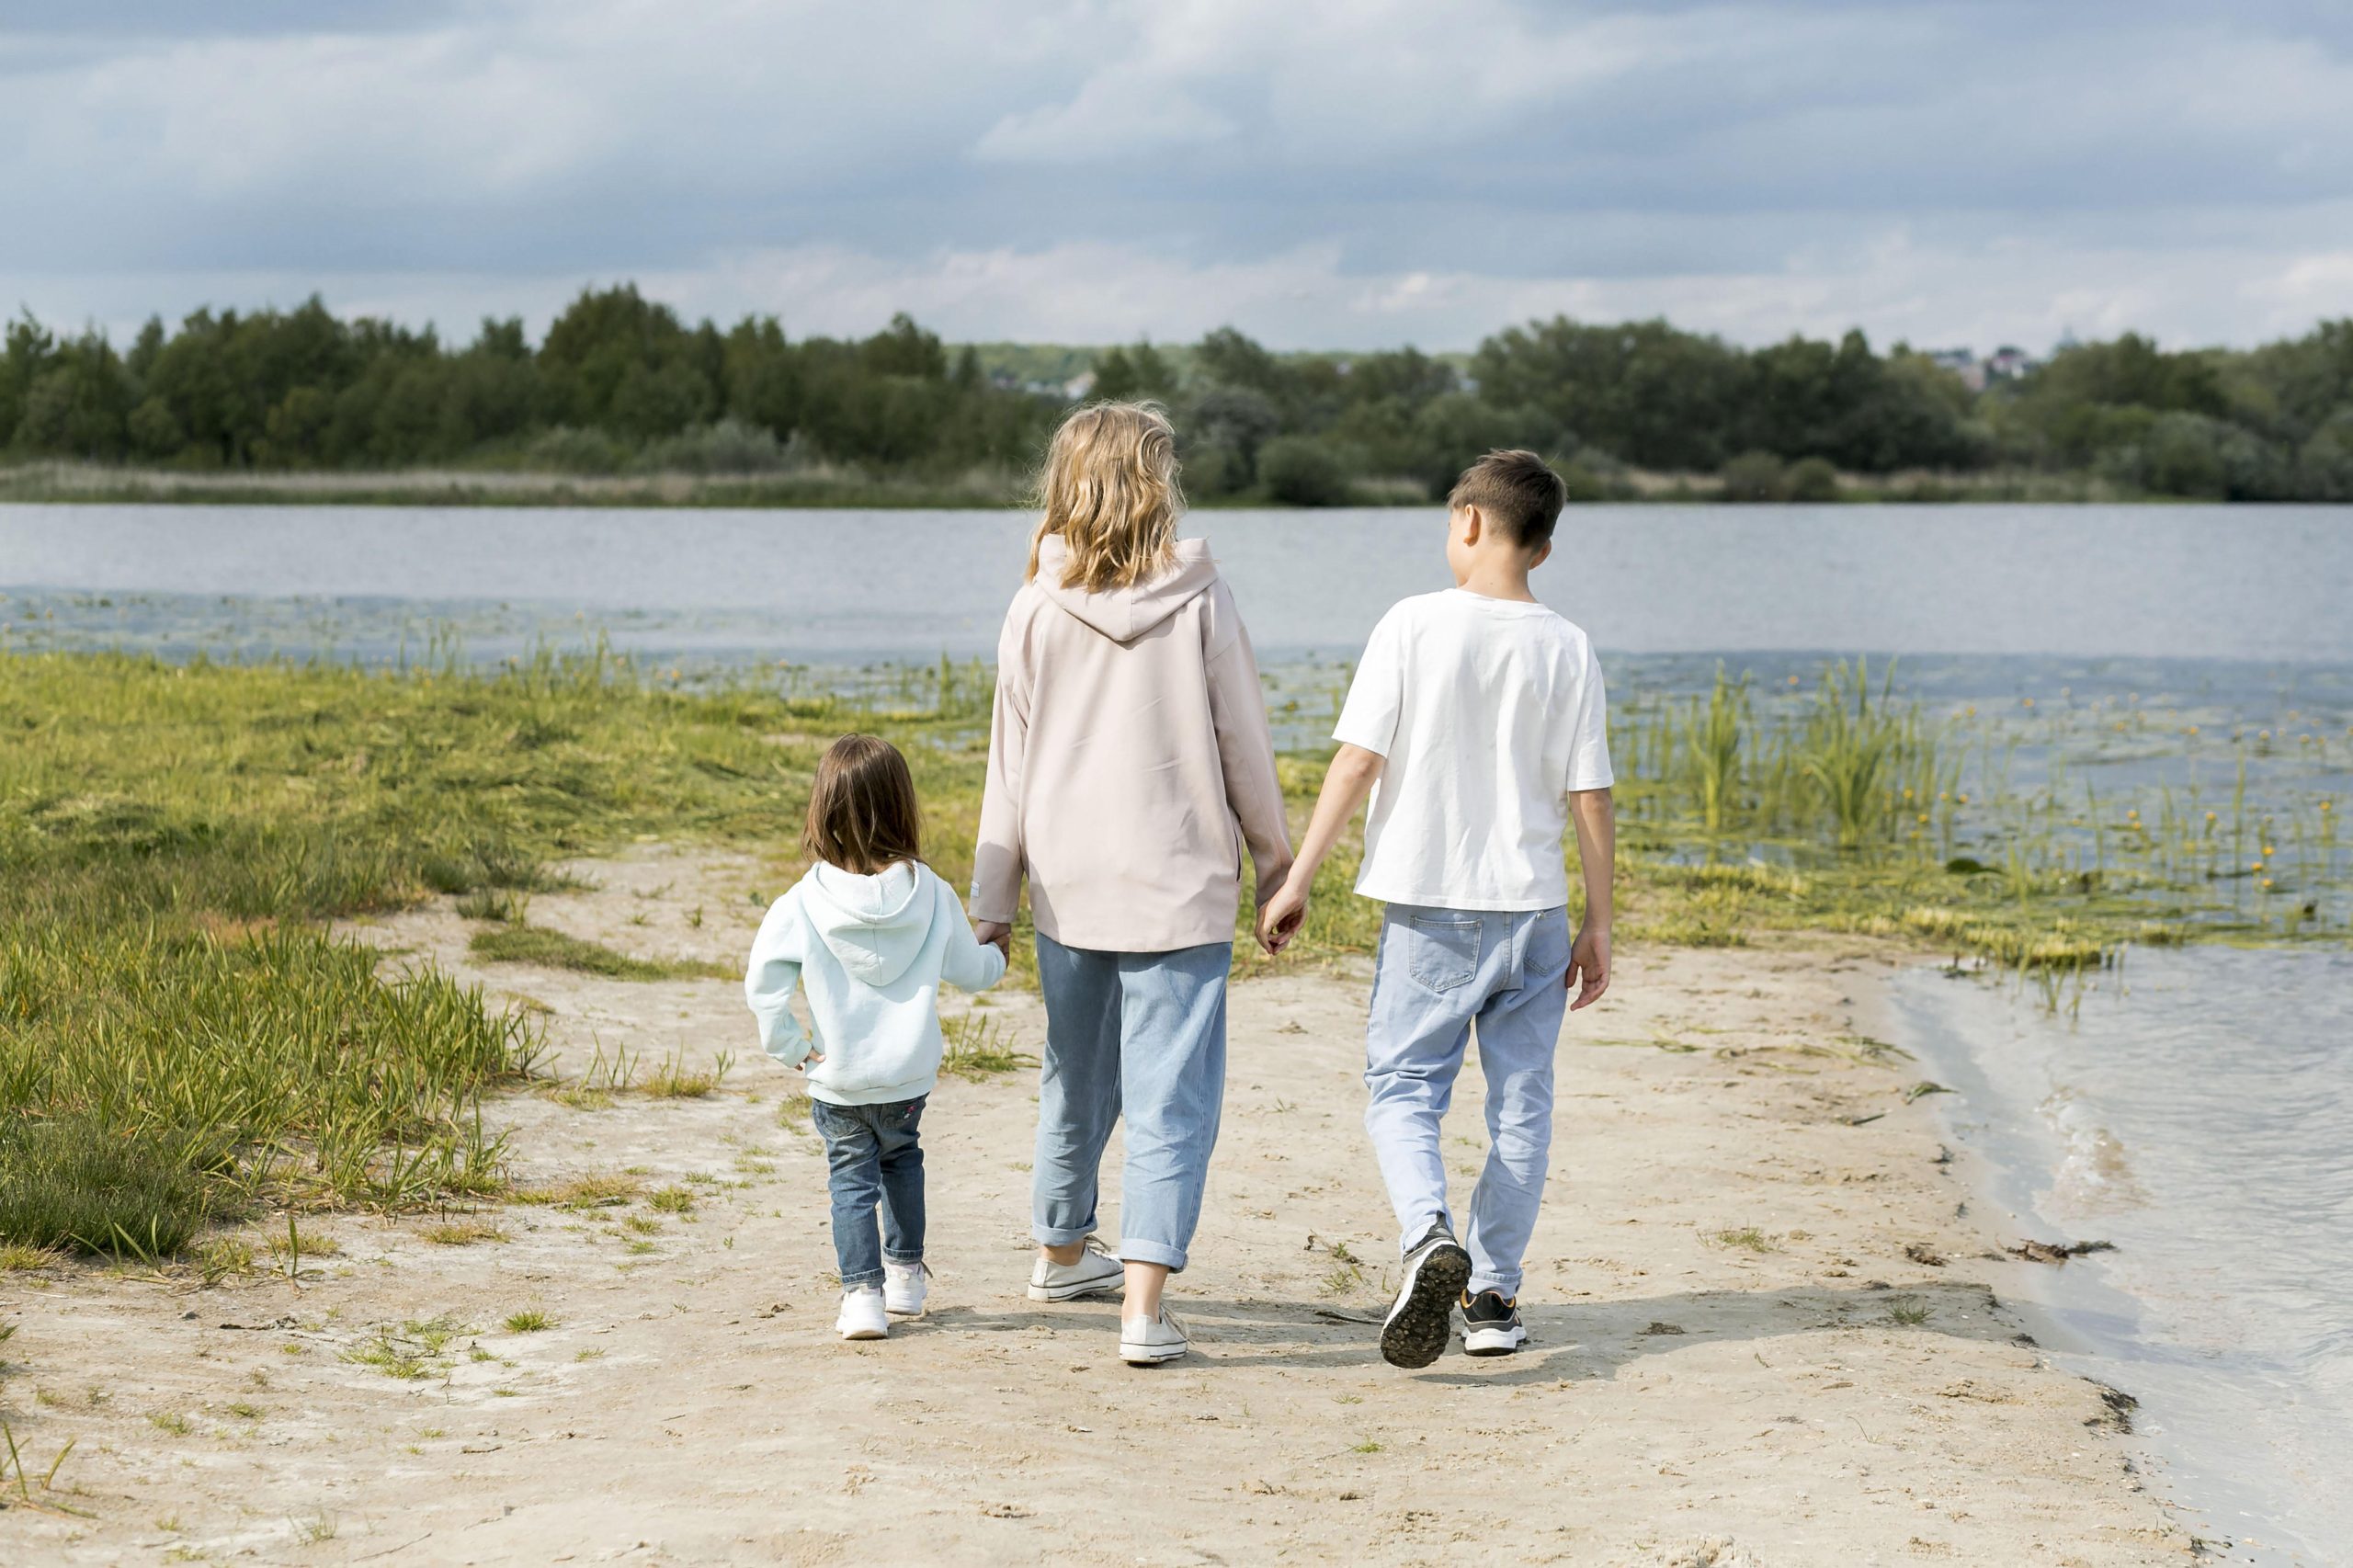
(872, 1158)
(1138, 1035)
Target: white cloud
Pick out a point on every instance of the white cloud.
(1324, 172)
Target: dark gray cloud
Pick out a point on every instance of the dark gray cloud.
(1325, 171)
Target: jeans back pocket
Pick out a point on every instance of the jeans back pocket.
(1444, 952)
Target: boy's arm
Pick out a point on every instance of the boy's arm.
(1347, 782)
(769, 980)
(1596, 816)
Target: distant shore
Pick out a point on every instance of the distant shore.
(827, 487)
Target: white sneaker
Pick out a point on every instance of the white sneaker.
(862, 1314)
(905, 1287)
(1147, 1342)
(1095, 1272)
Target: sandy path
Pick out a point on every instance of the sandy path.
(1685, 1400)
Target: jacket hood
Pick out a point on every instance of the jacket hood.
(876, 926)
(1125, 614)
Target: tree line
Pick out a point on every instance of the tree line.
(621, 383)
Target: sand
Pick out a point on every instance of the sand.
(1720, 1369)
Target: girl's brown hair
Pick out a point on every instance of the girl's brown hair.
(1110, 489)
(863, 811)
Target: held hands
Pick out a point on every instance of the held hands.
(1280, 917)
(996, 934)
(1589, 962)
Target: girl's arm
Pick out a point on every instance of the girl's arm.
(1247, 747)
(769, 980)
(998, 856)
(1346, 784)
(967, 963)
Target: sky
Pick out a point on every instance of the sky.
(1319, 173)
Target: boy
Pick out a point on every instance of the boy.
(1476, 721)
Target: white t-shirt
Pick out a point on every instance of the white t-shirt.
(1488, 712)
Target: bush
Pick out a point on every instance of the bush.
(569, 450)
(1756, 476)
(1299, 470)
(731, 445)
(1812, 480)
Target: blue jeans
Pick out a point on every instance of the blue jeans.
(1141, 1034)
(1439, 971)
(871, 1156)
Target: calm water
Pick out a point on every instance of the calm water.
(2200, 1114)
(2099, 583)
(2197, 1110)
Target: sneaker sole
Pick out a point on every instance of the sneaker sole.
(1073, 1292)
(1152, 1355)
(914, 1312)
(1492, 1342)
(1415, 1332)
(866, 1334)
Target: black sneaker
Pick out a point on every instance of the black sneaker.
(1490, 1325)
(1414, 1333)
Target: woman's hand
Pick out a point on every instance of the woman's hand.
(996, 934)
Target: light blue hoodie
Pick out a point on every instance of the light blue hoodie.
(872, 951)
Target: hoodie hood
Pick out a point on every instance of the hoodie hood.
(876, 926)
(1125, 614)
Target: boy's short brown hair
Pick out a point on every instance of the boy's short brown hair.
(1516, 491)
(863, 811)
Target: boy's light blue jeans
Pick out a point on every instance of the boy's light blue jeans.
(1143, 1035)
(1439, 971)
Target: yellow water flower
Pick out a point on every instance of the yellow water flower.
(2026, 701)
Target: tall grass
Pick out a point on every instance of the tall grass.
(182, 1037)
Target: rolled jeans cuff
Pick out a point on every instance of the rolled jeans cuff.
(1168, 1257)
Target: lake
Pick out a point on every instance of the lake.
(2158, 583)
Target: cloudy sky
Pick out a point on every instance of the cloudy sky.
(1320, 173)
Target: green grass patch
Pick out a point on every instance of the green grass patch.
(539, 945)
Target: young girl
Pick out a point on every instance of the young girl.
(871, 931)
(1129, 763)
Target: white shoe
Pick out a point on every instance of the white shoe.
(905, 1287)
(1095, 1272)
(1147, 1342)
(862, 1314)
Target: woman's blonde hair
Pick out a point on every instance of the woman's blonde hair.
(1109, 490)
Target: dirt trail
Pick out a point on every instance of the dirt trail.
(1720, 1369)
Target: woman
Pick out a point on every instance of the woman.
(1129, 763)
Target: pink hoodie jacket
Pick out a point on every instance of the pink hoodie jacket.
(1128, 762)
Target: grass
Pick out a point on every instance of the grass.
(530, 1320)
(463, 1233)
(554, 950)
(1748, 1238)
(978, 1046)
(594, 1190)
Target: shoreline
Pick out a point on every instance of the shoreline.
(1738, 1357)
(2236, 1428)
(61, 483)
